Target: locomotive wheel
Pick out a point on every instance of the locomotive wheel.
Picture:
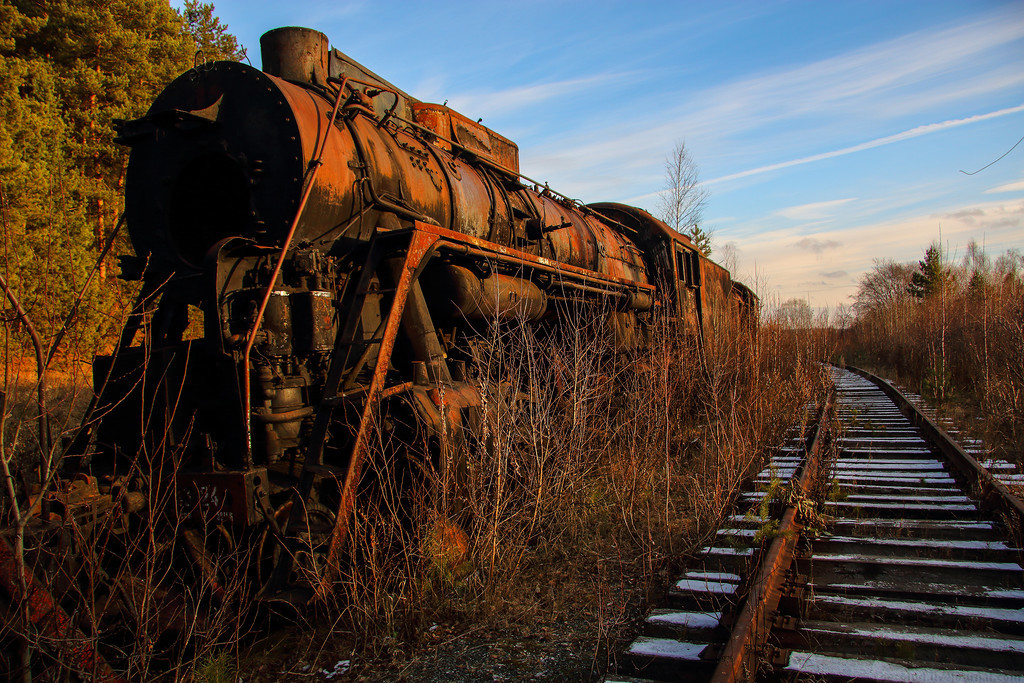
(311, 528)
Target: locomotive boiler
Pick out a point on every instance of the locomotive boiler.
(313, 245)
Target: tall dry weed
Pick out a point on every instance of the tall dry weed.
(583, 452)
(583, 449)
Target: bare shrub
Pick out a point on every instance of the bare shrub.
(961, 345)
(583, 452)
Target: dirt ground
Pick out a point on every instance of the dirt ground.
(571, 628)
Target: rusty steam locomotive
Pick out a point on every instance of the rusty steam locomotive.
(314, 244)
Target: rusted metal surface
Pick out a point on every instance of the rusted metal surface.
(475, 246)
(314, 168)
(738, 661)
(421, 244)
(51, 620)
(451, 125)
(993, 493)
(495, 297)
(345, 245)
(221, 497)
(296, 54)
(396, 171)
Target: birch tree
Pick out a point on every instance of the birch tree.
(681, 203)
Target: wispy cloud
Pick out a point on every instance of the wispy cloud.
(871, 144)
(891, 75)
(816, 246)
(996, 217)
(1009, 187)
(502, 101)
(998, 224)
(815, 211)
(799, 107)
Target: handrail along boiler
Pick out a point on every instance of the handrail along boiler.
(340, 242)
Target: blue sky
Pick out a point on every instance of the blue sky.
(827, 133)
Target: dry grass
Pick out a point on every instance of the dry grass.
(962, 348)
(595, 469)
(594, 475)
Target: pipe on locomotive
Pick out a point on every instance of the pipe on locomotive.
(342, 242)
(314, 167)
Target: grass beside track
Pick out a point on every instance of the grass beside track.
(594, 481)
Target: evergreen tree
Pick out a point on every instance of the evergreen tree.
(68, 70)
(931, 275)
(700, 237)
(211, 37)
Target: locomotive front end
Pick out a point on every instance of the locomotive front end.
(320, 254)
(225, 152)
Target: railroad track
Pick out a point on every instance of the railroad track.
(895, 558)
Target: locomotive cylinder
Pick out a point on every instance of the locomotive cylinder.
(495, 297)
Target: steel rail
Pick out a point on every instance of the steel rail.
(992, 493)
(738, 661)
(913, 559)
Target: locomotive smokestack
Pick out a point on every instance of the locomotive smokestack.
(295, 53)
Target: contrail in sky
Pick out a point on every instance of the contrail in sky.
(888, 139)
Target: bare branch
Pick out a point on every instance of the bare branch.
(682, 202)
(883, 286)
(37, 343)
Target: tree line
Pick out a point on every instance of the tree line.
(951, 328)
(69, 70)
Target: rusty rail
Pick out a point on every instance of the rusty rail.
(738, 661)
(993, 494)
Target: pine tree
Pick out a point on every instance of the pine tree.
(212, 40)
(700, 237)
(68, 70)
(931, 275)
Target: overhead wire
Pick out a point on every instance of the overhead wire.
(986, 166)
